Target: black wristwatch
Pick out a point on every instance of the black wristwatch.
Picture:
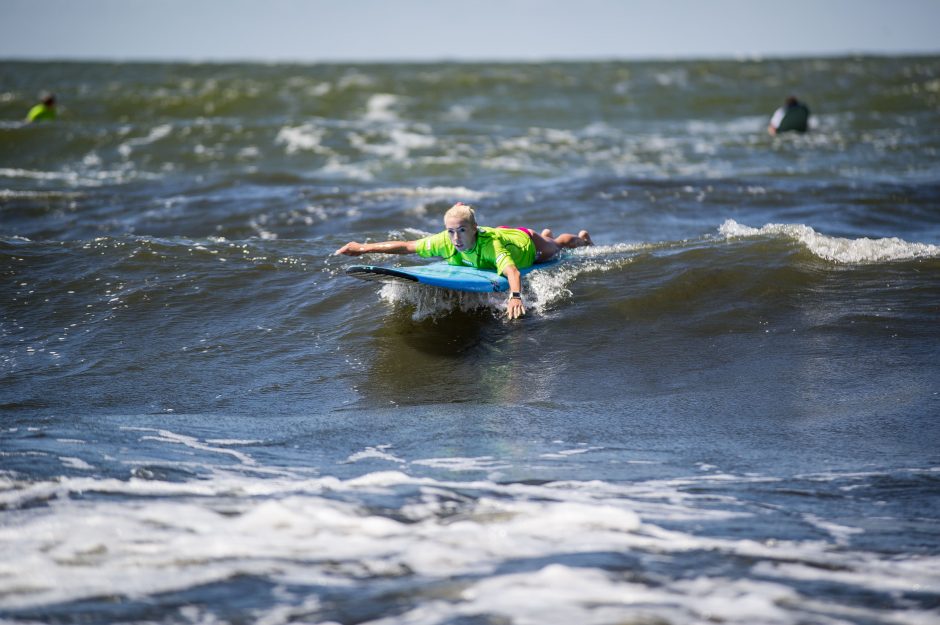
(515, 295)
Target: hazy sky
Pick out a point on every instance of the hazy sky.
(388, 30)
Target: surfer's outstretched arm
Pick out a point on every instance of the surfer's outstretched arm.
(386, 247)
(514, 307)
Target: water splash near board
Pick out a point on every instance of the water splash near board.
(442, 275)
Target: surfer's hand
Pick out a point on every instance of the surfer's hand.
(351, 249)
(514, 308)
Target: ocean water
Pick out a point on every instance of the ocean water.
(727, 411)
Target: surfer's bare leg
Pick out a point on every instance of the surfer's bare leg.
(571, 241)
(549, 246)
(545, 248)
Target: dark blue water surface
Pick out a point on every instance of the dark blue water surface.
(725, 411)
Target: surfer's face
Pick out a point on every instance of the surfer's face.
(462, 234)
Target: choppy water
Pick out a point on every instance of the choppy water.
(726, 411)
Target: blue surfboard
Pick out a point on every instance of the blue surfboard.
(442, 275)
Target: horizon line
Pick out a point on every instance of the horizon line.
(442, 60)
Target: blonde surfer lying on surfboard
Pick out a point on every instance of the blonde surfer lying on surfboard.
(463, 242)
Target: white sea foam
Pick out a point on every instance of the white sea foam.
(374, 453)
(839, 250)
(547, 287)
(457, 193)
(400, 143)
(460, 112)
(411, 140)
(429, 302)
(379, 107)
(565, 453)
(558, 594)
(189, 441)
(678, 77)
(12, 194)
(519, 163)
(69, 177)
(841, 533)
(914, 574)
(175, 536)
(75, 463)
(485, 463)
(336, 168)
(153, 536)
(745, 125)
(233, 441)
(258, 225)
(156, 133)
(305, 137)
(355, 79)
(553, 594)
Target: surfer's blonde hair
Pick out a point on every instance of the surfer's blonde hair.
(463, 212)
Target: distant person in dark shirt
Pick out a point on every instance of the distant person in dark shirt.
(792, 116)
(43, 111)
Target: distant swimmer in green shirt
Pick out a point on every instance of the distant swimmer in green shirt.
(43, 111)
(463, 242)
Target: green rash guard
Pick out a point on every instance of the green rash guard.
(40, 112)
(496, 248)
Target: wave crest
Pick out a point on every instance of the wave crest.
(836, 249)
